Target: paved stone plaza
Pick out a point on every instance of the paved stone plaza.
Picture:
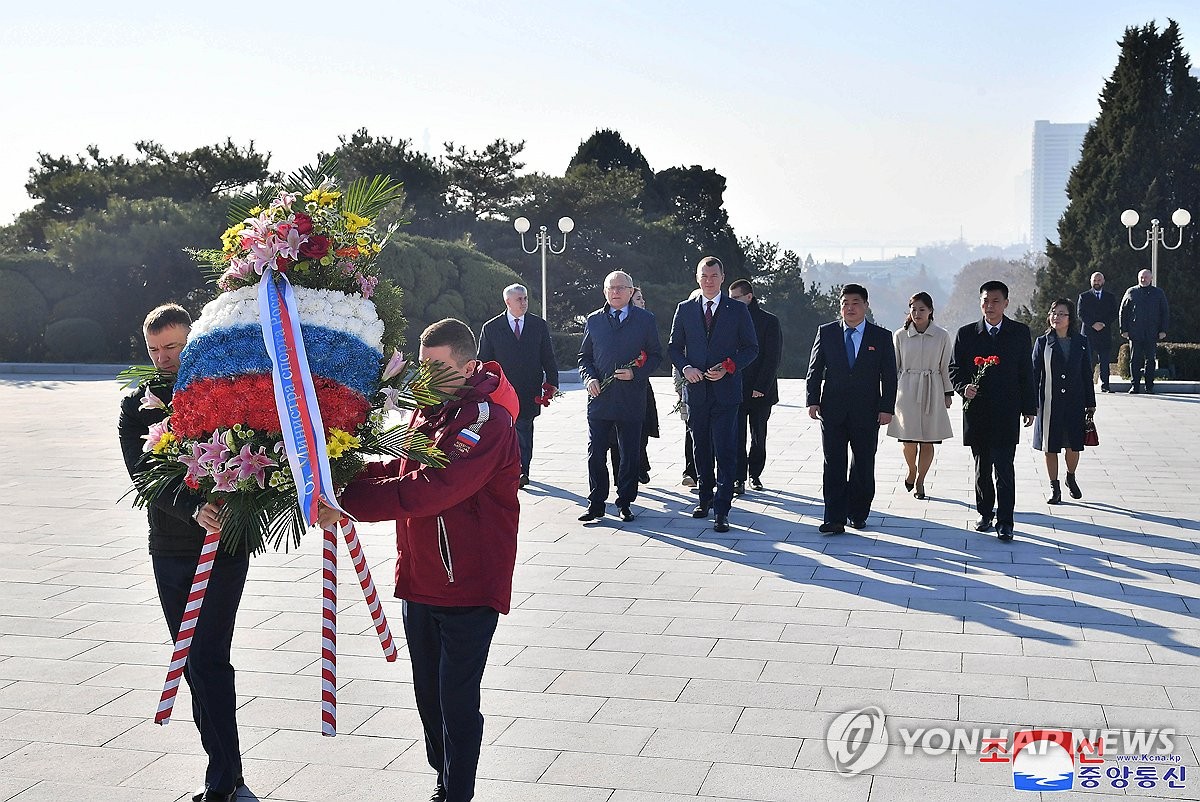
(653, 661)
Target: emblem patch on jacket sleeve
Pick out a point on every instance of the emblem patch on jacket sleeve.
(469, 437)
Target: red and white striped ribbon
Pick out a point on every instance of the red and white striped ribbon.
(329, 636)
(191, 613)
(364, 578)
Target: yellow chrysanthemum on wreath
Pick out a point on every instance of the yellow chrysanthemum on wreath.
(340, 442)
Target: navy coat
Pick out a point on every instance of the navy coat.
(528, 362)
(732, 337)
(608, 346)
(855, 395)
(1006, 391)
(1063, 395)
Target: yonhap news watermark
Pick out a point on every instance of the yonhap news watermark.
(1041, 759)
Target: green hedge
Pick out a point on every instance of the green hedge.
(1175, 361)
(75, 339)
(23, 315)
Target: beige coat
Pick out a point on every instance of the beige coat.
(923, 363)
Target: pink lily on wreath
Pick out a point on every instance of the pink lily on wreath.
(250, 463)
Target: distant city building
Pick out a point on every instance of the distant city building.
(1056, 149)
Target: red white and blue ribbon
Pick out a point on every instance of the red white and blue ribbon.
(295, 395)
(187, 627)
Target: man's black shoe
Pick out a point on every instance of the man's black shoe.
(592, 515)
(983, 525)
(1149, 388)
(1104, 388)
(858, 524)
(524, 480)
(439, 795)
(721, 524)
(831, 529)
(739, 487)
(756, 483)
(214, 796)
(701, 511)
(239, 783)
(1134, 389)
(625, 513)
(1005, 532)
(644, 478)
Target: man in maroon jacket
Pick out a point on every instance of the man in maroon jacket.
(456, 542)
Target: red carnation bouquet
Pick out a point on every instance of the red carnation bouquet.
(548, 394)
(729, 366)
(982, 363)
(637, 363)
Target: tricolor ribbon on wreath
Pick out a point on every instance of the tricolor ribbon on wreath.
(304, 444)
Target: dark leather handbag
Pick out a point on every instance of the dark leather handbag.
(1090, 436)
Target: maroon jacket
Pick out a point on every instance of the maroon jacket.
(456, 527)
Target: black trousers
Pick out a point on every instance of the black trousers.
(1142, 359)
(998, 500)
(629, 443)
(714, 439)
(448, 647)
(208, 671)
(1101, 351)
(689, 458)
(524, 427)
(848, 496)
(752, 415)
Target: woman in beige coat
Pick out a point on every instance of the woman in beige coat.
(924, 393)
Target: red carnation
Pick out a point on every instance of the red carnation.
(315, 248)
(303, 223)
(978, 361)
(283, 263)
(729, 366)
(640, 361)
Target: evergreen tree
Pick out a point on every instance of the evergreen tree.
(1142, 153)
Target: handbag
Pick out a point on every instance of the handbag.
(1090, 436)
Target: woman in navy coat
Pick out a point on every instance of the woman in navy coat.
(1062, 376)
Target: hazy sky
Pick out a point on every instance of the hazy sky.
(836, 124)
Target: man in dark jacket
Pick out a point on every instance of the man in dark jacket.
(1097, 309)
(1145, 318)
(615, 337)
(995, 405)
(456, 544)
(851, 389)
(712, 339)
(178, 521)
(520, 343)
(760, 389)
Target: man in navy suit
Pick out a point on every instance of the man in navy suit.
(851, 389)
(1097, 315)
(613, 337)
(711, 338)
(520, 343)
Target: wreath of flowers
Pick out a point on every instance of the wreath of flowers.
(221, 436)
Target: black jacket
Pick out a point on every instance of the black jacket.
(855, 395)
(763, 373)
(1144, 313)
(173, 532)
(1006, 391)
(527, 363)
(1098, 310)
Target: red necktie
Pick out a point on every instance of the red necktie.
(708, 314)
(517, 327)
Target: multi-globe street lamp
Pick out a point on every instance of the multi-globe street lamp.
(1155, 236)
(542, 243)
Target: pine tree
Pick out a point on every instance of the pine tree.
(1142, 153)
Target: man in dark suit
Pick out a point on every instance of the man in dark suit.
(760, 389)
(1097, 315)
(712, 340)
(851, 389)
(613, 338)
(995, 404)
(520, 343)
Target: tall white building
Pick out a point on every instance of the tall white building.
(1056, 149)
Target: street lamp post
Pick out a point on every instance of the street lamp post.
(1155, 236)
(542, 243)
